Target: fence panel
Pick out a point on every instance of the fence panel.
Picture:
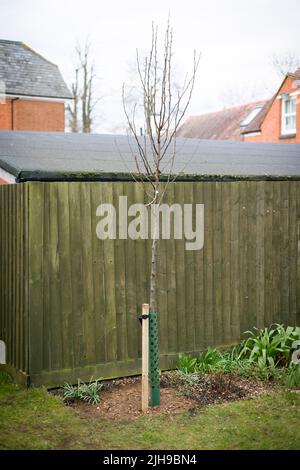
(85, 294)
(14, 278)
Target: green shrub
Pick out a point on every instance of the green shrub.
(187, 364)
(82, 391)
(270, 347)
(190, 378)
(5, 378)
(210, 361)
(206, 362)
(290, 376)
(264, 355)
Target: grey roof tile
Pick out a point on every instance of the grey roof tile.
(25, 72)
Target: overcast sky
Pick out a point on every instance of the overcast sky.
(236, 39)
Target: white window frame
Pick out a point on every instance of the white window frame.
(250, 116)
(284, 130)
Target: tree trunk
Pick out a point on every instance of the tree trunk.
(153, 285)
(154, 256)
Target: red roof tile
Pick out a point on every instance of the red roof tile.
(220, 125)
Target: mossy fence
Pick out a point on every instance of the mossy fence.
(70, 302)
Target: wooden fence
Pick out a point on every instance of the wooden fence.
(81, 296)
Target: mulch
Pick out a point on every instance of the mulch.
(121, 399)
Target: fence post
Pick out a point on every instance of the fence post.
(145, 357)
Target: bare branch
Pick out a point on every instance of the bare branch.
(163, 113)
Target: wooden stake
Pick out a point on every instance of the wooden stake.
(145, 358)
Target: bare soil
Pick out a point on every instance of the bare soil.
(121, 399)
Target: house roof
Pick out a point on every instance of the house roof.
(256, 123)
(41, 156)
(220, 125)
(27, 73)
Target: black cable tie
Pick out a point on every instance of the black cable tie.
(143, 317)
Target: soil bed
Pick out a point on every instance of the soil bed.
(121, 399)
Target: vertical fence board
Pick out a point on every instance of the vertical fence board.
(55, 285)
(243, 229)
(77, 276)
(87, 273)
(131, 296)
(234, 262)
(217, 263)
(109, 269)
(292, 254)
(98, 276)
(226, 259)
(36, 247)
(162, 295)
(14, 320)
(9, 315)
(269, 254)
(199, 281)
(46, 294)
(142, 281)
(190, 280)
(65, 276)
(260, 259)
(208, 266)
(19, 270)
(25, 279)
(120, 284)
(171, 280)
(250, 265)
(284, 250)
(277, 233)
(180, 280)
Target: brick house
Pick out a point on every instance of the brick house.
(274, 120)
(32, 90)
(279, 120)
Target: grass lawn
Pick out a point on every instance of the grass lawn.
(34, 419)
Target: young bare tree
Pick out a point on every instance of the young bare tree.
(135, 93)
(163, 110)
(81, 111)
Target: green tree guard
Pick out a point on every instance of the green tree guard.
(153, 360)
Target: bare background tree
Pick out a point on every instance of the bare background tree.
(282, 64)
(81, 110)
(245, 93)
(163, 109)
(73, 107)
(285, 62)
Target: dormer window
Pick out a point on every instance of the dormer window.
(249, 118)
(288, 123)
